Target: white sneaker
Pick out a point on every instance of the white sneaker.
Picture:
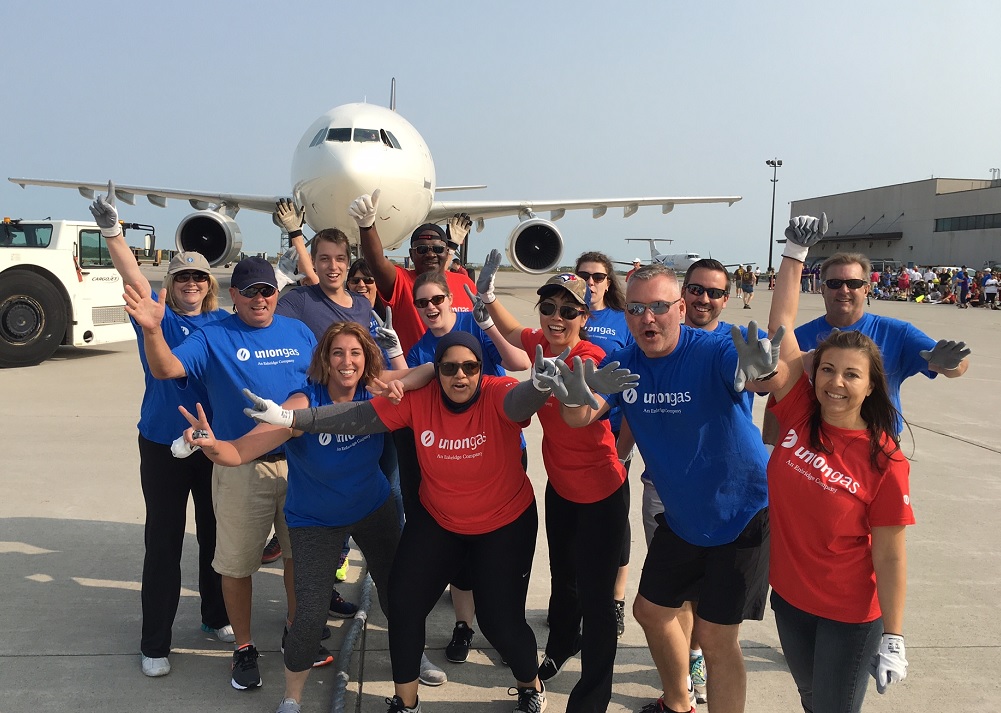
(288, 705)
(155, 667)
(431, 675)
(224, 634)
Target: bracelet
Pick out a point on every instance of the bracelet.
(294, 234)
(366, 227)
(452, 245)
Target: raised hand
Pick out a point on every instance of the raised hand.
(483, 319)
(804, 232)
(888, 665)
(106, 214)
(147, 312)
(364, 208)
(577, 393)
(267, 411)
(609, 379)
(757, 359)
(392, 390)
(485, 280)
(288, 215)
(458, 228)
(546, 374)
(285, 270)
(385, 336)
(200, 434)
(946, 355)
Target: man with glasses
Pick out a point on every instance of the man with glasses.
(703, 453)
(269, 354)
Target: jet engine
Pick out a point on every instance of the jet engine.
(214, 235)
(535, 246)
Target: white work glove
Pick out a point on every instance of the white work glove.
(364, 209)
(457, 229)
(483, 319)
(546, 375)
(804, 231)
(757, 359)
(180, 448)
(267, 411)
(485, 280)
(946, 354)
(106, 214)
(285, 269)
(385, 336)
(289, 216)
(888, 665)
(609, 379)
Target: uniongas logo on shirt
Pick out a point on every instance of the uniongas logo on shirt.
(341, 441)
(817, 468)
(660, 401)
(284, 353)
(455, 448)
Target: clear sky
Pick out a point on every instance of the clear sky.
(537, 100)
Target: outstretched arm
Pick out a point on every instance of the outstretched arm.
(513, 357)
(353, 418)
(262, 439)
(506, 322)
(148, 314)
(364, 210)
(105, 214)
(291, 218)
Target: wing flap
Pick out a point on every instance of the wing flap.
(479, 210)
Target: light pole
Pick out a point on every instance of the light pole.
(775, 164)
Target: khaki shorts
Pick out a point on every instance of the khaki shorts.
(248, 500)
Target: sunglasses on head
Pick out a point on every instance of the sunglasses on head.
(254, 290)
(598, 277)
(425, 249)
(188, 276)
(835, 284)
(548, 309)
(714, 293)
(425, 301)
(451, 368)
(357, 280)
(638, 309)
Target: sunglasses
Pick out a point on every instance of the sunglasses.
(425, 249)
(358, 280)
(835, 284)
(598, 277)
(451, 368)
(714, 293)
(262, 290)
(638, 309)
(548, 309)
(183, 277)
(425, 301)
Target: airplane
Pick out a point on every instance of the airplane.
(679, 262)
(352, 150)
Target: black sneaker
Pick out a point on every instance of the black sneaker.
(550, 668)
(396, 706)
(529, 699)
(620, 617)
(323, 656)
(272, 551)
(245, 672)
(341, 608)
(457, 650)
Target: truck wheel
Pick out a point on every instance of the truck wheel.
(32, 319)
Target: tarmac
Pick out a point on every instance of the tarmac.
(71, 549)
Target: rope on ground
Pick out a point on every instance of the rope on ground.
(954, 437)
(341, 675)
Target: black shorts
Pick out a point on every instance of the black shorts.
(729, 582)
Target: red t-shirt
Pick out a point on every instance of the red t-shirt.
(406, 321)
(822, 511)
(472, 481)
(582, 463)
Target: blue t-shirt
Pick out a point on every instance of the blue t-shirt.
(159, 419)
(228, 356)
(423, 351)
(333, 480)
(899, 342)
(701, 449)
(309, 304)
(607, 329)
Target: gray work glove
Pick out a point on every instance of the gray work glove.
(757, 359)
(106, 214)
(609, 379)
(485, 280)
(364, 208)
(385, 336)
(289, 216)
(576, 385)
(804, 231)
(546, 374)
(267, 411)
(457, 229)
(483, 319)
(946, 355)
(888, 665)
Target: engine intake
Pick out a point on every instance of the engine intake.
(214, 235)
(535, 246)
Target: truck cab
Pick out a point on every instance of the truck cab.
(57, 287)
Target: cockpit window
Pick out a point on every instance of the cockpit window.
(392, 139)
(338, 134)
(363, 135)
(318, 139)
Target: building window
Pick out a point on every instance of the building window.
(968, 222)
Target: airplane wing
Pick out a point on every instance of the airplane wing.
(481, 210)
(158, 196)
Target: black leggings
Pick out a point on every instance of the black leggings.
(166, 483)
(585, 541)
(499, 563)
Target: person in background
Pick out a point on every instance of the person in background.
(456, 266)
(637, 264)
